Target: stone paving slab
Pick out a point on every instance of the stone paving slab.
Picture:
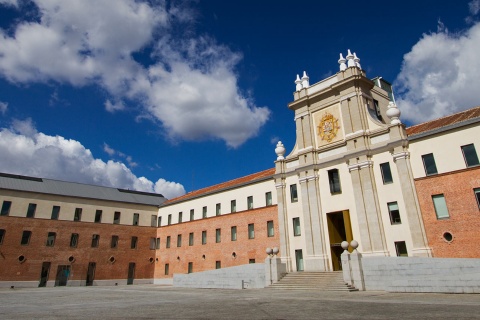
(160, 302)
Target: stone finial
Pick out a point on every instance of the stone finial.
(393, 113)
(298, 83)
(269, 251)
(356, 60)
(305, 78)
(350, 57)
(344, 245)
(354, 244)
(280, 150)
(342, 64)
(275, 250)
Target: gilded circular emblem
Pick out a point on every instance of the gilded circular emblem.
(328, 127)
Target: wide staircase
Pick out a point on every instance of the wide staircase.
(319, 281)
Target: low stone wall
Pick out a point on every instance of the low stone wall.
(240, 277)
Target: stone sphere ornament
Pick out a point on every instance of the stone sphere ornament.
(344, 245)
(269, 251)
(354, 244)
(275, 250)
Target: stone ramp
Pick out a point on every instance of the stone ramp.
(319, 281)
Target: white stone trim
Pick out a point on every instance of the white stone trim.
(348, 96)
(307, 149)
(308, 178)
(354, 134)
(361, 165)
(401, 155)
(380, 138)
(332, 152)
(303, 114)
(280, 185)
(292, 164)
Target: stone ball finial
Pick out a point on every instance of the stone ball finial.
(298, 83)
(342, 64)
(393, 113)
(280, 150)
(350, 57)
(275, 250)
(344, 245)
(356, 60)
(269, 251)
(305, 80)
(354, 244)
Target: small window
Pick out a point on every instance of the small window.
(204, 237)
(78, 214)
(204, 212)
(470, 155)
(74, 240)
(190, 239)
(270, 230)
(98, 216)
(95, 240)
(218, 264)
(6, 208)
(401, 249)
(251, 231)
(192, 215)
(334, 181)
(153, 242)
(167, 245)
(386, 173)
(293, 193)
(394, 213)
(26, 238)
(179, 240)
(476, 191)
(190, 267)
(136, 218)
(114, 242)
(218, 209)
(133, 243)
(169, 219)
(51, 239)
(167, 266)
(157, 243)
(429, 164)
(180, 217)
(153, 220)
(440, 205)
(2, 235)
(159, 221)
(233, 206)
(250, 202)
(32, 207)
(251, 261)
(55, 212)
(296, 227)
(218, 235)
(233, 231)
(116, 217)
(268, 199)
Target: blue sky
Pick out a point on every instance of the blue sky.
(173, 96)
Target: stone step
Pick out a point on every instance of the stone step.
(320, 281)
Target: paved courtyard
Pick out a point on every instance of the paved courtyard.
(157, 302)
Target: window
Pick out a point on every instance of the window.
(26, 238)
(477, 195)
(167, 242)
(116, 217)
(152, 243)
(440, 205)
(55, 213)
(32, 207)
(51, 239)
(78, 214)
(251, 261)
(157, 243)
(268, 198)
(74, 240)
(190, 267)
(296, 227)
(218, 235)
(169, 219)
(251, 231)
(204, 212)
(2, 235)
(190, 239)
(166, 268)
(204, 237)
(179, 240)
(136, 218)
(470, 155)
(192, 215)
(386, 172)
(6, 208)
(394, 213)
(218, 209)
(133, 243)
(180, 217)
(270, 230)
(401, 249)
(159, 221)
(95, 240)
(334, 181)
(98, 216)
(293, 193)
(233, 206)
(218, 264)
(114, 242)
(250, 203)
(233, 231)
(429, 164)
(153, 221)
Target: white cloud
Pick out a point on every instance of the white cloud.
(191, 86)
(13, 3)
(112, 152)
(439, 76)
(3, 107)
(474, 7)
(23, 151)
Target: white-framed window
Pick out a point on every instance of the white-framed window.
(470, 155)
(429, 164)
(293, 193)
(440, 205)
(386, 173)
(296, 227)
(270, 229)
(334, 181)
(394, 213)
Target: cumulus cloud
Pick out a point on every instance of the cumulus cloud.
(112, 152)
(190, 86)
(13, 3)
(3, 107)
(23, 150)
(439, 76)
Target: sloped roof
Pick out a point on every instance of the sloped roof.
(446, 122)
(252, 178)
(72, 189)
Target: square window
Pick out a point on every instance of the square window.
(218, 209)
(251, 231)
(190, 239)
(334, 181)
(251, 261)
(204, 212)
(233, 231)
(190, 267)
(167, 245)
(153, 220)
(51, 239)
(32, 207)
(136, 218)
(268, 199)
(204, 237)
(270, 229)
(179, 240)
(167, 267)
(250, 203)
(180, 217)
(116, 217)
(440, 205)
(159, 221)
(6, 208)
(2, 235)
(169, 219)
(133, 243)
(386, 172)
(55, 212)
(293, 193)
(394, 213)
(26, 238)
(476, 191)
(157, 243)
(98, 216)
(95, 240)
(470, 155)
(74, 240)
(218, 264)
(296, 227)
(192, 215)
(233, 206)
(152, 243)
(429, 164)
(114, 242)
(401, 249)
(77, 216)
(218, 235)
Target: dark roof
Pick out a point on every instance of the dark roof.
(72, 189)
